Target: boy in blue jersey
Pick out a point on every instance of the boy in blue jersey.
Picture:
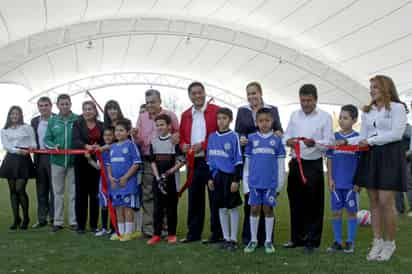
(341, 171)
(122, 168)
(224, 158)
(265, 154)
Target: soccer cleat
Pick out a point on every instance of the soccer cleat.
(154, 240)
(376, 249)
(388, 249)
(233, 246)
(137, 234)
(349, 248)
(409, 213)
(101, 232)
(224, 245)
(269, 248)
(335, 247)
(171, 239)
(251, 247)
(126, 237)
(114, 237)
(56, 228)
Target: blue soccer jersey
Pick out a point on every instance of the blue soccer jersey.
(122, 157)
(263, 152)
(344, 163)
(223, 152)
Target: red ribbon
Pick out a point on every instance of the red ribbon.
(190, 166)
(296, 147)
(99, 156)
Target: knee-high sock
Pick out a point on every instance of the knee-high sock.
(224, 222)
(269, 228)
(234, 223)
(352, 227)
(253, 228)
(337, 229)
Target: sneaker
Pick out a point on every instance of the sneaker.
(335, 247)
(171, 239)
(101, 232)
(233, 246)
(251, 247)
(56, 228)
(154, 240)
(409, 213)
(269, 249)
(115, 237)
(137, 235)
(224, 245)
(388, 249)
(39, 225)
(375, 250)
(126, 237)
(349, 248)
(73, 227)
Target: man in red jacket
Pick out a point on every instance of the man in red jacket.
(197, 123)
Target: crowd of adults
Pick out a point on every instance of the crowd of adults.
(383, 125)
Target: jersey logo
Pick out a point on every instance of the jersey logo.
(125, 150)
(272, 142)
(351, 203)
(126, 199)
(255, 143)
(227, 146)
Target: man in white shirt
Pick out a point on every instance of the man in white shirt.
(45, 199)
(306, 201)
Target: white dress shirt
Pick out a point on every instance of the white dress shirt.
(41, 131)
(198, 134)
(383, 126)
(317, 126)
(21, 136)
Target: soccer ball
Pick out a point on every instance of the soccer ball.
(364, 217)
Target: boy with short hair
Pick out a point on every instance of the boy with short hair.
(341, 172)
(166, 158)
(224, 158)
(265, 154)
(122, 169)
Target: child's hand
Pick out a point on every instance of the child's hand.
(341, 142)
(243, 140)
(211, 185)
(331, 185)
(356, 188)
(123, 181)
(234, 187)
(112, 182)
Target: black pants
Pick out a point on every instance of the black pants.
(165, 205)
(44, 189)
(87, 187)
(196, 212)
(261, 235)
(306, 202)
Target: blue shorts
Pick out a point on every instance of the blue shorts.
(344, 198)
(126, 200)
(259, 196)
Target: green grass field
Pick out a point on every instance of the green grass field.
(38, 251)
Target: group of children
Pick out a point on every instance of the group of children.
(264, 154)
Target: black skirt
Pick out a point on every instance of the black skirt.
(383, 168)
(16, 166)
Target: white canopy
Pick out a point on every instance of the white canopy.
(52, 46)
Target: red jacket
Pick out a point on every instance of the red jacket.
(186, 124)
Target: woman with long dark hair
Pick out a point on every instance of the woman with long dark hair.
(17, 166)
(112, 113)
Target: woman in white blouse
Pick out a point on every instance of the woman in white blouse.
(17, 166)
(382, 170)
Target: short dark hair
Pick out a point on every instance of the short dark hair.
(308, 90)
(164, 117)
(225, 111)
(195, 84)
(152, 92)
(44, 99)
(352, 110)
(125, 123)
(109, 128)
(265, 111)
(63, 96)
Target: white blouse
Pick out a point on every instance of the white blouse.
(21, 136)
(383, 126)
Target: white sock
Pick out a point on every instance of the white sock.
(224, 223)
(121, 227)
(234, 224)
(253, 228)
(138, 220)
(129, 228)
(269, 228)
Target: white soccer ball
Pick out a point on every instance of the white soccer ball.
(364, 217)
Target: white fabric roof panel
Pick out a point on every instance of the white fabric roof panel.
(337, 45)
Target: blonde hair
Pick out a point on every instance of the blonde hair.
(387, 88)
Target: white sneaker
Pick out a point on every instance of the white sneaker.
(388, 249)
(409, 213)
(101, 232)
(376, 249)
